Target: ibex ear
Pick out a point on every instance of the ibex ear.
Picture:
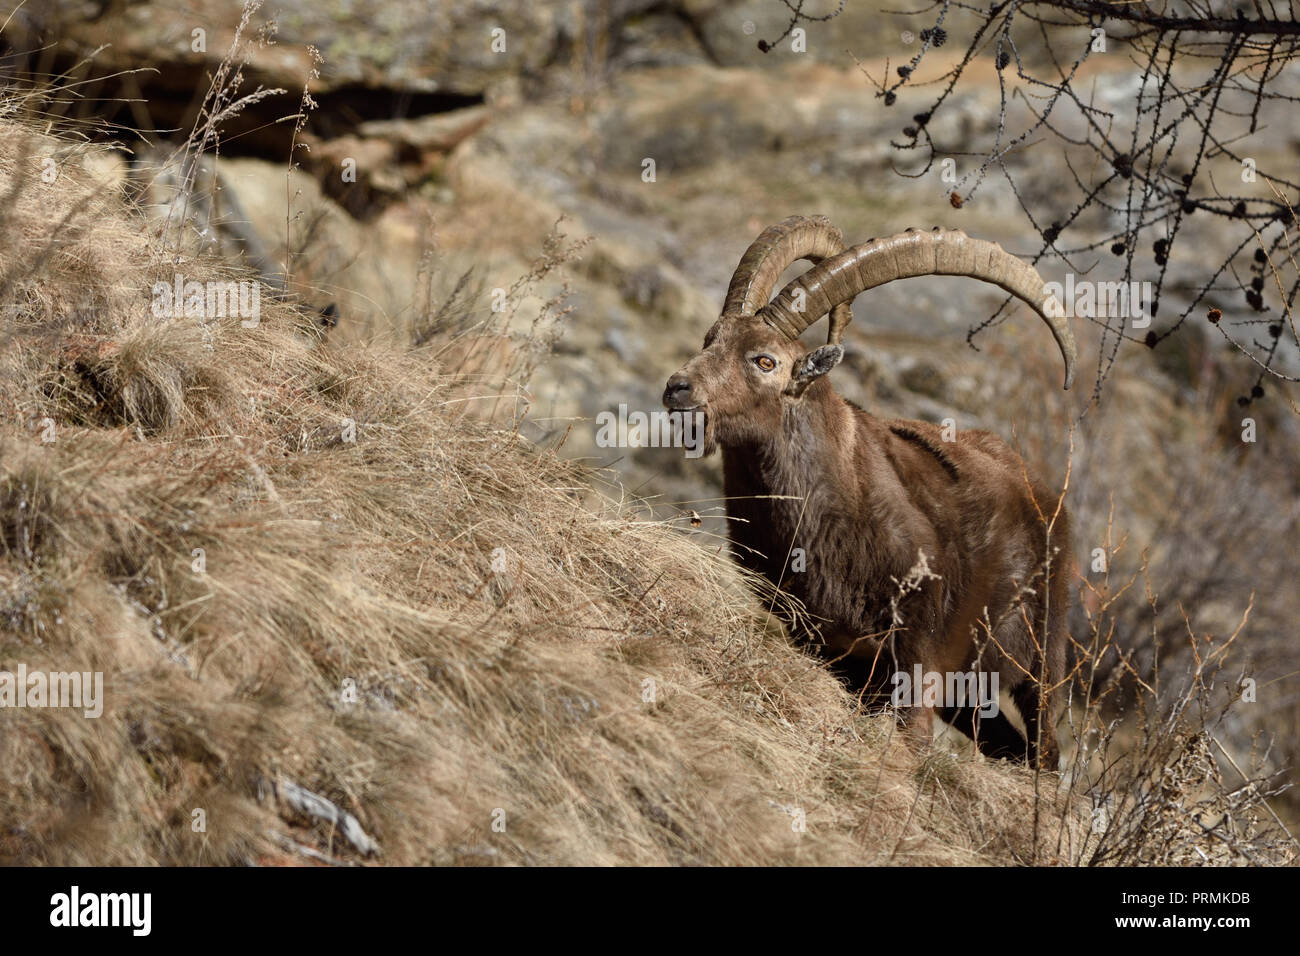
(812, 367)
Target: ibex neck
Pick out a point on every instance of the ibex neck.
(783, 492)
(814, 448)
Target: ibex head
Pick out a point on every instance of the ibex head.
(752, 366)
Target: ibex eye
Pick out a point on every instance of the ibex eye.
(765, 362)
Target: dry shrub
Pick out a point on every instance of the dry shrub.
(1183, 593)
(495, 352)
(1150, 749)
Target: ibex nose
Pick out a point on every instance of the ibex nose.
(678, 392)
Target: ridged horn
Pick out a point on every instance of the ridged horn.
(813, 238)
(837, 281)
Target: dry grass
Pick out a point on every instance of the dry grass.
(272, 603)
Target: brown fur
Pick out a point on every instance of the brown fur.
(864, 497)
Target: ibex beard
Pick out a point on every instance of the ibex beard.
(922, 552)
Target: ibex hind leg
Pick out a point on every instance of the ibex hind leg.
(1043, 752)
(996, 737)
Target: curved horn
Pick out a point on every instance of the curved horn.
(796, 237)
(837, 281)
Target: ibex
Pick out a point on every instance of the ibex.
(867, 497)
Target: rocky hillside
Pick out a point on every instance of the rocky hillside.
(552, 213)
